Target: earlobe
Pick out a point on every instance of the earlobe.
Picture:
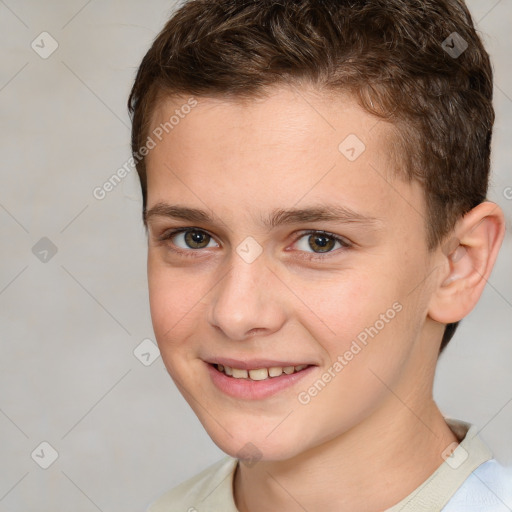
(469, 256)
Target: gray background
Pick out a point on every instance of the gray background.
(70, 325)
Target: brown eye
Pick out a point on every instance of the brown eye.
(321, 242)
(186, 239)
(197, 239)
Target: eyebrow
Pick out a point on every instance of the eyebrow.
(278, 217)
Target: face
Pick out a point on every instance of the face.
(278, 240)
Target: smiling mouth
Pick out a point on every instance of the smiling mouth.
(259, 374)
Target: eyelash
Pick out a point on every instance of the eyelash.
(191, 253)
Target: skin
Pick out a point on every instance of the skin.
(375, 426)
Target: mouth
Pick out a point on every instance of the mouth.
(258, 374)
(259, 380)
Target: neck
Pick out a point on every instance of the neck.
(371, 467)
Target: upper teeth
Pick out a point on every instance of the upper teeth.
(259, 373)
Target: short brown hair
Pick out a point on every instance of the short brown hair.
(417, 63)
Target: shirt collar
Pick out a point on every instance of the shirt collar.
(436, 491)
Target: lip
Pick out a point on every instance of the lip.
(247, 389)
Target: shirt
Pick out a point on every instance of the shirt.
(469, 480)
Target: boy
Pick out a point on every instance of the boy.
(314, 179)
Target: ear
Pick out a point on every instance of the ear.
(467, 260)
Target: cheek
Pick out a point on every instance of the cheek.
(362, 320)
(346, 305)
(369, 343)
(174, 299)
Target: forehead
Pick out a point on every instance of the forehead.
(294, 145)
(283, 110)
(285, 118)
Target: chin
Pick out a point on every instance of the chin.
(251, 452)
(255, 443)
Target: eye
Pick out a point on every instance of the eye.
(320, 242)
(190, 238)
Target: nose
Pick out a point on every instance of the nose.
(247, 300)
